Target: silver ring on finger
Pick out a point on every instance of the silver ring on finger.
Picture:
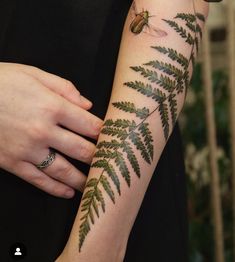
(48, 160)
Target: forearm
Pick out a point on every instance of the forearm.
(153, 71)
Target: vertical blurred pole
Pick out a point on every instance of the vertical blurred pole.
(211, 137)
(231, 59)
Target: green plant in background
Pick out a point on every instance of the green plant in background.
(198, 175)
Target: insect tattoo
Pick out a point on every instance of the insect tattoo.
(140, 23)
(162, 82)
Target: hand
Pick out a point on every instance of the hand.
(39, 111)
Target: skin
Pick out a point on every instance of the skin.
(108, 235)
(34, 105)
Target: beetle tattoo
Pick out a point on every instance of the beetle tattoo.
(140, 23)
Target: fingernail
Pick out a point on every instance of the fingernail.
(86, 101)
(69, 193)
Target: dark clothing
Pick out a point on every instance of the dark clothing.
(79, 40)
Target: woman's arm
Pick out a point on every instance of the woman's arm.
(159, 44)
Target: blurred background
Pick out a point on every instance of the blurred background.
(209, 135)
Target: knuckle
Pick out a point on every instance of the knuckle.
(38, 132)
(39, 181)
(97, 125)
(69, 86)
(64, 171)
(22, 149)
(49, 106)
(86, 151)
(53, 109)
(57, 109)
(33, 68)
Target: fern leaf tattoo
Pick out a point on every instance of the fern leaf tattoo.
(161, 82)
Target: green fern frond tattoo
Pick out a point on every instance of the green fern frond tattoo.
(147, 90)
(131, 108)
(173, 55)
(163, 81)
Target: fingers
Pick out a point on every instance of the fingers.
(66, 173)
(79, 120)
(73, 115)
(61, 170)
(72, 145)
(32, 175)
(59, 85)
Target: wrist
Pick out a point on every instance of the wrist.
(99, 251)
(104, 257)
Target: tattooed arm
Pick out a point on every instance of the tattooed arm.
(159, 44)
